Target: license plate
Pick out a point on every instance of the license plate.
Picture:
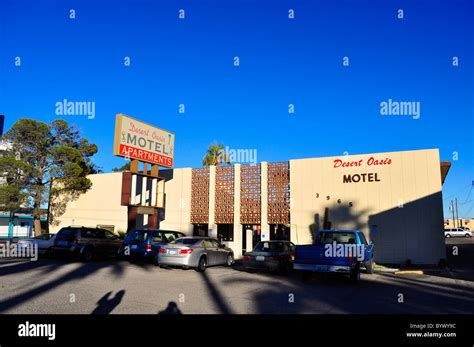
(260, 258)
(172, 252)
(62, 243)
(134, 247)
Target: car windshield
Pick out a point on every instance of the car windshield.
(66, 233)
(184, 241)
(330, 237)
(137, 236)
(270, 247)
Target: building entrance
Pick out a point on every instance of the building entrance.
(251, 235)
(201, 230)
(279, 232)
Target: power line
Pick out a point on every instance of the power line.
(468, 195)
(449, 197)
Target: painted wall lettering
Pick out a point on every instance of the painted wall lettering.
(358, 163)
(363, 177)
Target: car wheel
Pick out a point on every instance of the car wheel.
(230, 260)
(202, 264)
(355, 274)
(468, 235)
(87, 254)
(369, 266)
(448, 236)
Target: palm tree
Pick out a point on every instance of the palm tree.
(215, 155)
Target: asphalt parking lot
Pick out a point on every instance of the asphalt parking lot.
(117, 286)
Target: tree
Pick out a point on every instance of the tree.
(57, 161)
(124, 167)
(15, 175)
(215, 155)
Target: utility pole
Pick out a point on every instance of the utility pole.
(457, 214)
(451, 207)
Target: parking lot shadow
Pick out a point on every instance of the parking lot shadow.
(82, 271)
(216, 295)
(374, 295)
(106, 305)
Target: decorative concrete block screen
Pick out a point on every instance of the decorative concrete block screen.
(224, 205)
(279, 193)
(250, 194)
(200, 196)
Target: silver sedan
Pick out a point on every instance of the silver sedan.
(195, 252)
(45, 243)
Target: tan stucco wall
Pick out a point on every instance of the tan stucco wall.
(449, 223)
(406, 205)
(177, 200)
(99, 206)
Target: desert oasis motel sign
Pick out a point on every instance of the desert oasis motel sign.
(141, 141)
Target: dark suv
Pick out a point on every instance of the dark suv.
(145, 244)
(85, 242)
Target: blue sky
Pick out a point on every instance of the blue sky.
(282, 61)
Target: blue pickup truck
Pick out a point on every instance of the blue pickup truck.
(338, 251)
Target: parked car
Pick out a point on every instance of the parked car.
(86, 243)
(274, 255)
(145, 244)
(45, 242)
(457, 232)
(330, 253)
(195, 252)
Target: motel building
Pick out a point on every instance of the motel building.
(395, 198)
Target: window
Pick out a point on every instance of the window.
(66, 234)
(330, 237)
(91, 233)
(170, 237)
(225, 232)
(207, 244)
(270, 246)
(290, 247)
(137, 236)
(110, 236)
(187, 242)
(88, 233)
(99, 233)
(363, 240)
(215, 243)
(157, 237)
